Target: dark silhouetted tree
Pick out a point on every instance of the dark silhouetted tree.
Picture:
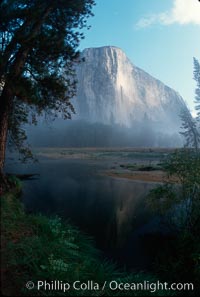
(197, 91)
(38, 47)
(189, 124)
(190, 131)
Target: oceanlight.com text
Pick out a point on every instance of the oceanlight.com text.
(111, 285)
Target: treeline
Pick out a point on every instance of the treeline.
(79, 133)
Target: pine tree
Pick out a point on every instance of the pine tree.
(38, 48)
(190, 125)
(190, 131)
(197, 91)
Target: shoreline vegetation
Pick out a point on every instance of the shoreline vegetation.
(93, 153)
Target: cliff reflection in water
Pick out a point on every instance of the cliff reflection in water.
(111, 210)
(129, 211)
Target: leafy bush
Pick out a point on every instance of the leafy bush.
(180, 195)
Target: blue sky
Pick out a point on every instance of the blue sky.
(159, 36)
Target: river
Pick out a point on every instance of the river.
(112, 210)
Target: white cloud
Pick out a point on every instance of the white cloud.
(183, 12)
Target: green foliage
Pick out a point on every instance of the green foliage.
(15, 183)
(182, 166)
(162, 198)
(38, 51)
(17, 135)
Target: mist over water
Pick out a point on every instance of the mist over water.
(82, 133)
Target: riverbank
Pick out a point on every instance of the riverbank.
(157, 177)
(125, 163)
(145, 171)
(102, 153)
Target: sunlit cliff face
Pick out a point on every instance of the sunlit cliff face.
(117, 104)
(111, 90)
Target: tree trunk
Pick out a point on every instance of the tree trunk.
(8, 93)
(5, 108)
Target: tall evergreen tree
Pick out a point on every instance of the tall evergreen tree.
(38, 46)
(190, 131)
(197, 91)
(190, 125)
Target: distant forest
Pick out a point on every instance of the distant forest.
(80, 133)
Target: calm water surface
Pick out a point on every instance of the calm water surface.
(112, 210)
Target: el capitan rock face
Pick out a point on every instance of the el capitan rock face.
(111, 90)
(117, 104)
